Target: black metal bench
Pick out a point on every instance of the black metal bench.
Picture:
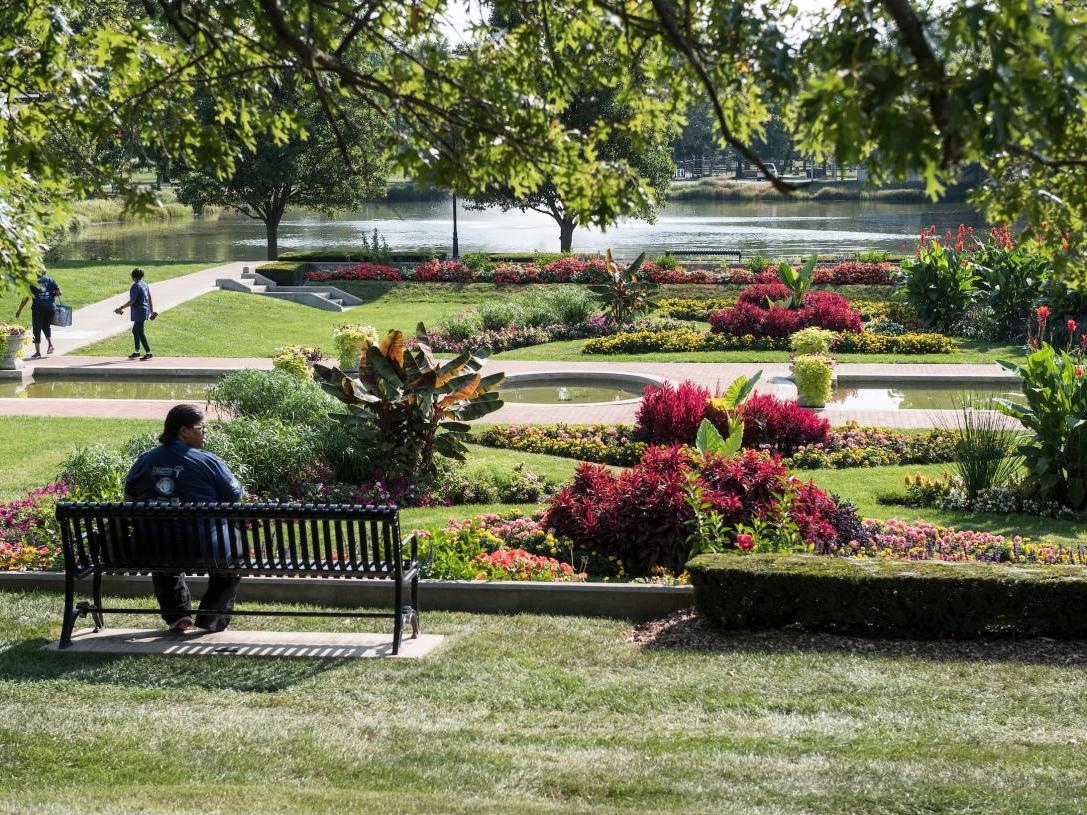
(248, 540)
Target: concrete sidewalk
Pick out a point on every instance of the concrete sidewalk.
(97, 321)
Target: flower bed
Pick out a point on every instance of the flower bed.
(691, 308)
(577, 270)
(29, 537)
(507, 339)
(687, 340)
(845, 447)
(599, 443)
(758, 312)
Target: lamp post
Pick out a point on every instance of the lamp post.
(456, 243)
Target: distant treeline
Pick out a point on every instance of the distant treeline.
(719, 188)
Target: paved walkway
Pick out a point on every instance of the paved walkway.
(713, 376)
(97, 321)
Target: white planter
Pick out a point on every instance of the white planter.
(12, 357)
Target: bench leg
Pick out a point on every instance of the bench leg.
(99, 623)
(398, 617)
(415, 606)
(70, 615)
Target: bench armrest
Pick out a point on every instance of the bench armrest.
(414, 548)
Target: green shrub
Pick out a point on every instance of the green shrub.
(1056, 415)
(915, 599)
(872, 256)
(498, 314)
(462, 326)
(95, 473)
(812, 340)
(666, 261)
(758, 263)
(478, 261)
(271, 394)
(940, 283)
(267, 456)
(813, 374)
(286, 273)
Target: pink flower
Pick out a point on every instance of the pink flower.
(1071, 327)
(745, 542)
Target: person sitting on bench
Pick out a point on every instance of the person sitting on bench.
(180, 470)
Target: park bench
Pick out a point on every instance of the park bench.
(249, 540)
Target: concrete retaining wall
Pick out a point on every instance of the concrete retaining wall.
(583, 599)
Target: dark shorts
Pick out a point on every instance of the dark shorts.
(41, 318)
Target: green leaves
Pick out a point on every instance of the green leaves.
(709, 441)
(739, 389)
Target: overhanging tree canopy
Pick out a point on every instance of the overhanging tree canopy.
(886, 84)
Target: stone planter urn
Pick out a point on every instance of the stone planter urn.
(11, 352)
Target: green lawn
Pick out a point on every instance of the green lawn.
(32, 447)
(863, 485)
(232, 324)
(539, 714)
(88, 281)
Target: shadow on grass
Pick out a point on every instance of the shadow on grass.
(687, 631)
(28, 660)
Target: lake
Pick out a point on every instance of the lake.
(773, 228)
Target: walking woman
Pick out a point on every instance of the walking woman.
(44, 297)
(139, 298)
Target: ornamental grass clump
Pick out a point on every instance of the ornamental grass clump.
(985, 447)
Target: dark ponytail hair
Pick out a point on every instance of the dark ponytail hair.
(137, 273)
(180, 416)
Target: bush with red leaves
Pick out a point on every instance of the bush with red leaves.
(781, 427)
(874, 274)
(670, 414)
(360, 271)
(757, 313)
(639, 515)
(679, 275)
(442, 271)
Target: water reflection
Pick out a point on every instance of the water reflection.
(786, 228)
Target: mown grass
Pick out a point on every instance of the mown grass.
(864, 486)
(33, 447)
(232, 324)
(541, 714)
(88, 281)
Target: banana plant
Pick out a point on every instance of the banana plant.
(1056, 414)
(798, 281)
(622, 293)
(405, 406)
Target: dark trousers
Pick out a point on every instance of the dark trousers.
(41, 320)
(138, 336)
(172, 592)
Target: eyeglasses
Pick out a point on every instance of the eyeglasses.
(200, 427)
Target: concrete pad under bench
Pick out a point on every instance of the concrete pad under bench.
(194, 642)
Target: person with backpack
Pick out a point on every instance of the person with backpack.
(44, 297)
(139, 298)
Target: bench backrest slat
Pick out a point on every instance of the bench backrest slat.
(279, 538)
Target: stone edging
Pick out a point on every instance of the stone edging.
(630, 600)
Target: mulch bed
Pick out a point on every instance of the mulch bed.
(686, 630)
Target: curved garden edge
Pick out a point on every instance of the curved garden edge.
(626, 600)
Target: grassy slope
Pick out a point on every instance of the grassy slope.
(32, 447)
(87, 281)
(541, 714)
(233, 324)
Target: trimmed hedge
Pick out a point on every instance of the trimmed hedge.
(681, 340)
(285, 273)
(912, 599)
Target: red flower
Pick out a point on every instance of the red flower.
(1079, 370)
(745, 542)
(1071, 328)
(1042, 313)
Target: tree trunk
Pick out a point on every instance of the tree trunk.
(271, 228)
(566, 234)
